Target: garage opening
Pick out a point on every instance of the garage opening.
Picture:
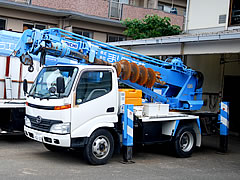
(232, 95)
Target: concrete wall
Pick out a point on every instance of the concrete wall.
(205, 14)
(22, 15)
(96, 27)
(214, 73)
(14, 24)
(210, 66)
(212, 70)
(15, 19)
(100, 36)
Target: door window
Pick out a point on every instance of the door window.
(92, 85)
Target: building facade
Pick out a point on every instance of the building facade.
(219, 15)
(98, 19)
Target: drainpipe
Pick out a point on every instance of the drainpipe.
(186, 17)
(228, 13)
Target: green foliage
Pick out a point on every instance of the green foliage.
(150, 26)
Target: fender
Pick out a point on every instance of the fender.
(170, 128)
(99, 125)
(196, 127)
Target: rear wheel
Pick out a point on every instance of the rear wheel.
(184, 142)
(99, 148)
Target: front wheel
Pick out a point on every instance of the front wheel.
(99, 148)
(184, 142)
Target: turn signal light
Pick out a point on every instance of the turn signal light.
(62, 107)
(26, 103)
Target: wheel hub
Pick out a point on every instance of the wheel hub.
(186, 141)
(100, 147)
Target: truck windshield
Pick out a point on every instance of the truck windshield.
(44, 86)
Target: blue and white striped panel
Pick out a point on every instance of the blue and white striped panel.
(127, 122)
(130, 122)
(224, 118)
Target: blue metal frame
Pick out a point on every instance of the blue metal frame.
(180, 91)
(176, 126)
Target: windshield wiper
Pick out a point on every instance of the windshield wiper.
(34, 95)
(48, 96)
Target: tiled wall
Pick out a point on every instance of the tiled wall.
(91, 7)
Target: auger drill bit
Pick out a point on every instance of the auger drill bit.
(133, 72)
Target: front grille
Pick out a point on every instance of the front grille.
(43, 125)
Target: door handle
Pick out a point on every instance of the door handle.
(111, 109)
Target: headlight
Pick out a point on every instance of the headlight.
(27, 121)
(62, 128)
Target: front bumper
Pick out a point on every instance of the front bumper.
(48, 138)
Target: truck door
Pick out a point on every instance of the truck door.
(95, 101)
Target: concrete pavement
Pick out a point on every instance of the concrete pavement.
(21, 158)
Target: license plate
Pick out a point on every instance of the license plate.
(38, 137)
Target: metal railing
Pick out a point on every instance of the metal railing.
(24, 1)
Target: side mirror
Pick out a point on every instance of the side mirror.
(60, 85)
(25, 86)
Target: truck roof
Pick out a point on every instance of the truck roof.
(84, 66)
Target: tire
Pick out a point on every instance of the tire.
(184, 142)
(100, 147)
(52, 147)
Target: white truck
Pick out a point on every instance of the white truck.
(87, 114)
(76, 105)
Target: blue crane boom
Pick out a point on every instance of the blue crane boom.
(161, 81)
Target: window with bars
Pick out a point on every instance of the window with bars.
(34, 25)
(164, 7)
(83, 32)
(115, 38)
